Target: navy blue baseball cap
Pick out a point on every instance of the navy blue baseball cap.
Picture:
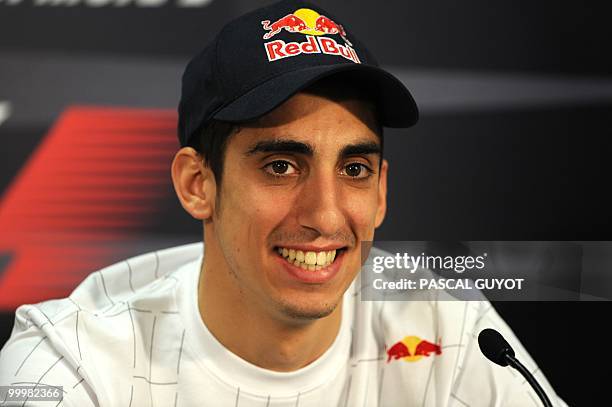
(262, 58)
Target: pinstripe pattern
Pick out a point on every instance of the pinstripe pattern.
(166, 364)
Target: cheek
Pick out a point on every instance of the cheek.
(267, 207)
(362, 211)
(253, 212)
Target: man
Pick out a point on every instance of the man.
(280, 124)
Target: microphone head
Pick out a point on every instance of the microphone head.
(494, 346)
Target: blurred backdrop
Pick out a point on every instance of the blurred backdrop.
(513, 141)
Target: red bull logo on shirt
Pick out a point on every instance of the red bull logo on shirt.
(412, 348)
(315, 26)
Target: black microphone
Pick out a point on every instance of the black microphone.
(497, 350)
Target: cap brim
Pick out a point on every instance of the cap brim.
(395, 104)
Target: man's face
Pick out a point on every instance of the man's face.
(303, 184)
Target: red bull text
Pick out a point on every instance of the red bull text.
(313, 45)
(314, 26)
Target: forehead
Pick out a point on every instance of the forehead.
(318, 120)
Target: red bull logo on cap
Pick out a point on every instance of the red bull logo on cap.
(315, 26)
(412, 348)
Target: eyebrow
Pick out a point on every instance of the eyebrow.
(281, 146)
(298, 147)
(365, 148)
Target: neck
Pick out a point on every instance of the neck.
(250, 330)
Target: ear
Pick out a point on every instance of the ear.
(382, 194)
(194, 183)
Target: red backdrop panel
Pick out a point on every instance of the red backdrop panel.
(91, 186)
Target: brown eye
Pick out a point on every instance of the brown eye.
(353, 170)
(357, 171)
(280, 167)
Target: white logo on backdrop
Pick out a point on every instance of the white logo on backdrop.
(5, 111)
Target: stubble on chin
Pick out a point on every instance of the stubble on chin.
(303, 313)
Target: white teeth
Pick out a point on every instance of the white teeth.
(321, 258)
(308, 260)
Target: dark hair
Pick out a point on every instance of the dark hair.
(213, 138)
(211, 145)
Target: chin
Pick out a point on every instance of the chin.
(310, 311)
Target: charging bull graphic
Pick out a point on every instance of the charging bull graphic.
(304, 21)
(327, 26)
(412, 348)
(290, 23)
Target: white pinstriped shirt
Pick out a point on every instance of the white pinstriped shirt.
(131, 335)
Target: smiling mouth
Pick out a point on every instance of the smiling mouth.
(309, 260)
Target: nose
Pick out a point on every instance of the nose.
(320, 206)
